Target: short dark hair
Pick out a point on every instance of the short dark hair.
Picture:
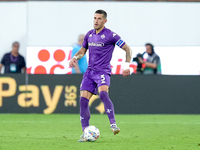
(100, 11)
(152, 47)
(15, 43)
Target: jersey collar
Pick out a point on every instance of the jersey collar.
(94, 31)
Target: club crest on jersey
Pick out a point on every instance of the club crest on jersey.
(103, 36)
(90, 35)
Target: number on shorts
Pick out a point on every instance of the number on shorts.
(103, 79)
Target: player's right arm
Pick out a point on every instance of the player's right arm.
(77, 56)
(81, 52)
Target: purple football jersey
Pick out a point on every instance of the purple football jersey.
(101, 47)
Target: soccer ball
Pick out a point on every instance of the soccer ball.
(91, 133)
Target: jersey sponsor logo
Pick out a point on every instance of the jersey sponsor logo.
(119, 42)
(99, 44)
(103, 36)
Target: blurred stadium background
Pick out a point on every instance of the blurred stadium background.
(52, 27)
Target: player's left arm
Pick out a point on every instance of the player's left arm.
(128, 51)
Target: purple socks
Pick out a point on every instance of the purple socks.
(84, 112)
(108, 105)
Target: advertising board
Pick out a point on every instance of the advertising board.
(55, 60)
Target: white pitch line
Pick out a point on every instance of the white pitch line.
(4, 121)
(160, 122)
(184, 123)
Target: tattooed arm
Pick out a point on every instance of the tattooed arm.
(128, 51)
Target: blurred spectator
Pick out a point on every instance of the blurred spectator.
(82, 63)
(13, 62)
(152, 64)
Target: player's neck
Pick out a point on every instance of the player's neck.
(99, 30)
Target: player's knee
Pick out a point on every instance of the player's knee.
(84, 102)
(103, 95)
(86, 94)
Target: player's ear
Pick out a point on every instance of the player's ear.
(105, 21)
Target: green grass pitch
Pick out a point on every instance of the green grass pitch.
(62, 131)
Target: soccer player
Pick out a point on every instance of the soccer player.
(101, 42)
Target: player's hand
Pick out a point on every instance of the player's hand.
(126, 72)
(73, 62)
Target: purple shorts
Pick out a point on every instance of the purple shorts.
(94, 79)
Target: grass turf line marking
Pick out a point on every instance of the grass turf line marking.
(186, 123)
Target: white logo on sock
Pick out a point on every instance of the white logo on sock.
(81, 118)
(109, 110)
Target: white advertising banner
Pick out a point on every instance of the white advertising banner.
(48, 60)
(55, 60)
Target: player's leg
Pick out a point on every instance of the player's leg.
(109, 107)
(84, 111)
(84, 108)
(88, 88)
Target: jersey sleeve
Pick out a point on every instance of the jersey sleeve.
(115, 38)
(85, 42)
